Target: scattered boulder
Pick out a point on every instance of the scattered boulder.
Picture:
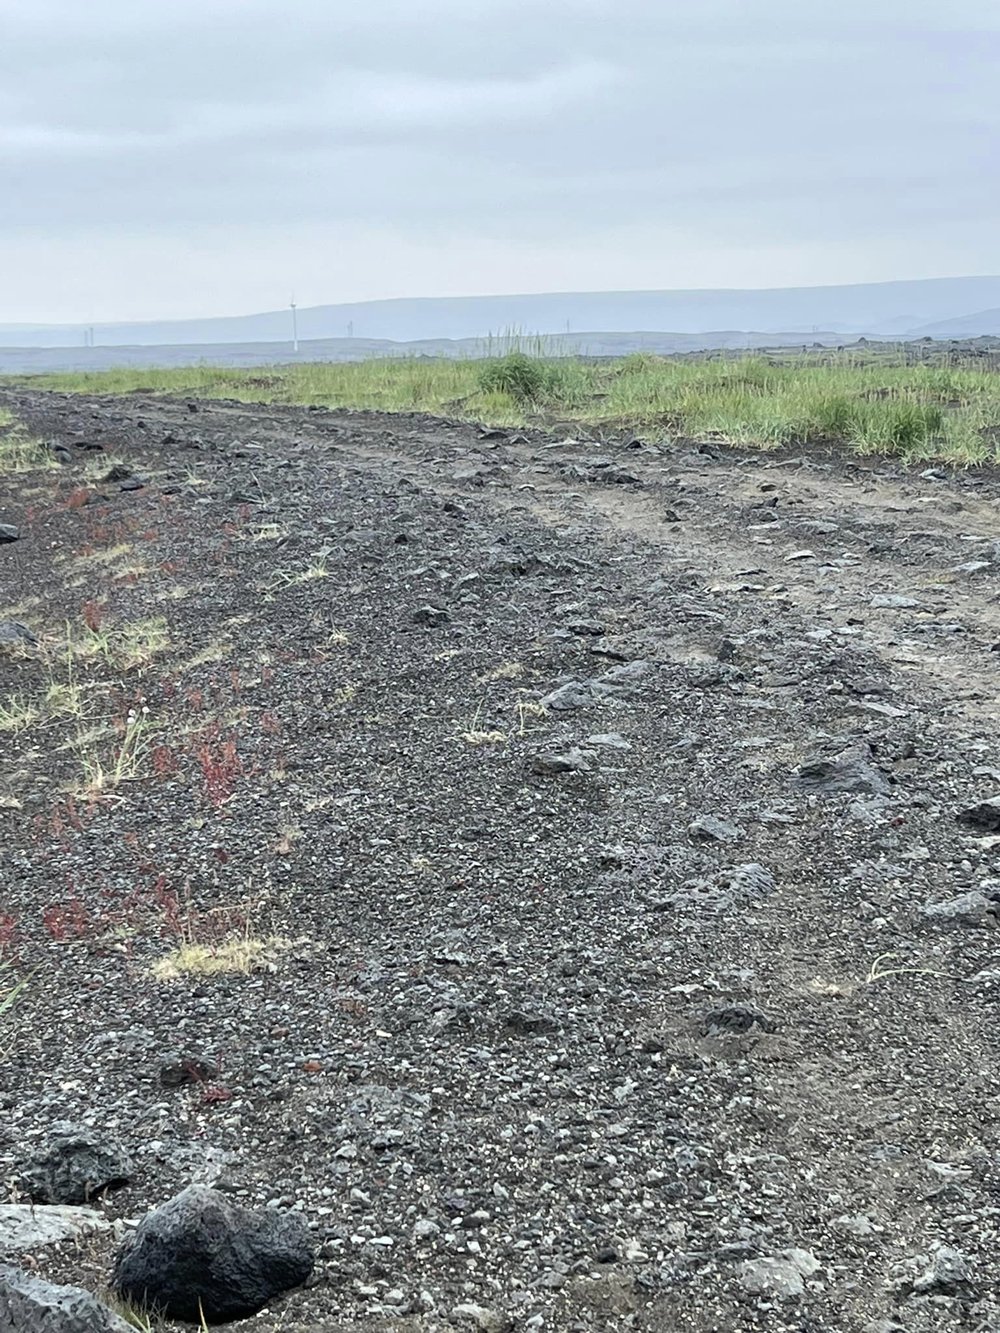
(574, 694)
(985, 815)
(117, 472)
(203, 1253)
(747, 882)
(737, 1018)
(480, 1317)
(966, 909)
(23, 1226)
(892, 601)
(948, 1273)
(12, 631)
(75, 1166)
(781, 1275)
(8, 533)
(30, 1305)
(430, 615)
(572, 760)
(850, 771)
(710, 828)
(176, 1071)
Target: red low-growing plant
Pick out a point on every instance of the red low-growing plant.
(67, 920)
(164, 761)
(78, 497)
(8, 933)
(220, 767)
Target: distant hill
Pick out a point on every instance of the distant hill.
(870, 309)
(966, 326)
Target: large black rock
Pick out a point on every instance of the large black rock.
(29, 1305)
(202, 1254)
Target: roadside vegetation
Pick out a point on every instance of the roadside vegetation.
(872, 403)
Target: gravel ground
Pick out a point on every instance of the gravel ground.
(585, 806)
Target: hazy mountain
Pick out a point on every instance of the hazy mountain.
(866, 308)
(966, 326)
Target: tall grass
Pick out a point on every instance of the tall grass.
(872, 404)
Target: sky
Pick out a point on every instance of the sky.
(200, 157)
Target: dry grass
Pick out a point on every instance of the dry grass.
(18, 451)
(239, 956)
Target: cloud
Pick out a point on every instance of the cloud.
(522, 138)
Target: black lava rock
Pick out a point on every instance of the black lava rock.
(75, 1166)
(202, 1254)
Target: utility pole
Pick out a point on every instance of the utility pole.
(295, 326)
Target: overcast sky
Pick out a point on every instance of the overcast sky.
(199, 157)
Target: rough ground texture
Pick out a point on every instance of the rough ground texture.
(622, 1011)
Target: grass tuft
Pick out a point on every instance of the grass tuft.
(18, 451)
(239, 956)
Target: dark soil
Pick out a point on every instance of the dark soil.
(590, 1012)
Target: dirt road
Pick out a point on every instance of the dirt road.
(637, 971)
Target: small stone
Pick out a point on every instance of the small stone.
(971, 567)
(12, 631)
(891, 601)
(709, 828)
(179, 1070)
(8, 533)
(574, 694)
(966, 909)
(480, 1317)
(858, 1224)
(850, 771)
(530, 1023)
(779, 1275)
(75, 1166)
(736, 1018)
(985, 815)
(430, 615)
(610, 740)
(570, 761)
(948, 1273)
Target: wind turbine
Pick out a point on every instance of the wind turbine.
(295, 324)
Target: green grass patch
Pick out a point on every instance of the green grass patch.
(872, 403)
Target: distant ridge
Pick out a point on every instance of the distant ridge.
(984, 322)
(899, 309)
(38, 360)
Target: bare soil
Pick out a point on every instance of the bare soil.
(592, 1013)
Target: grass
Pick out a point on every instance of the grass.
(874, 404)
(18, 451)
(238, 956)
(9, 991)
